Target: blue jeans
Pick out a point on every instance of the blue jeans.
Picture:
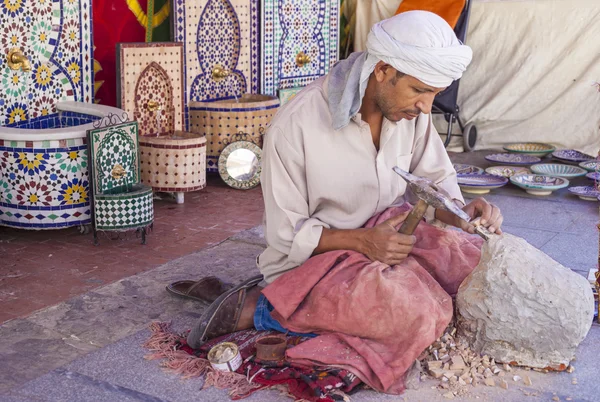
(264, 322)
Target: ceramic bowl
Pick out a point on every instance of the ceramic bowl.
(480, 183)
(465, 169)
(593, 176)
(590, 166)
(558, 170)
(588, 193)
(530, 148)
(536, 184)
(571, 155)
(507, 171)
(513, 159)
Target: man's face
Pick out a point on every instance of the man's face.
(402, 97)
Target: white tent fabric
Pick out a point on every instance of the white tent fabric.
(532, 77)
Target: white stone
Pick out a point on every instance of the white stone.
(520, 305)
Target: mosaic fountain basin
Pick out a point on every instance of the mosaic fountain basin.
(44, 168)
(221, 120)
(536, 184)
(558, 170)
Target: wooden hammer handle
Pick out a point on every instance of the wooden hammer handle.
(414, 217)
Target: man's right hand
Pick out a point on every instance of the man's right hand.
(383, 242)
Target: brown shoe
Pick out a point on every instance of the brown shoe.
(205, 290)
(223, 315)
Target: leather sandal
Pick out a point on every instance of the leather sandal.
(206, 290)
(223, 315)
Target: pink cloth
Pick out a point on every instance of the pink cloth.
(372, 319)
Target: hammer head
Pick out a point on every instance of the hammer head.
(429, 192)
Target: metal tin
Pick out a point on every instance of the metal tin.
(229, 363)
(271, 347)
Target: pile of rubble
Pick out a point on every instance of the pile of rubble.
(457, 367)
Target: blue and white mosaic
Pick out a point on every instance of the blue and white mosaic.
(223, 33)
(290, 27)
(44, 185)
(56, 37)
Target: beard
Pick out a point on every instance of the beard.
(387, 109)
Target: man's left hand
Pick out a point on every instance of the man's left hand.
(489, 214)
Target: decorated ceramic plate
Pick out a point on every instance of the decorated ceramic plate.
(530, 148)
(588, 193)
(507, 171)
(538, 184)
(480, 183)
(558, 170)
(590, 166)
(593, 176)
(463, 169)
(571, 155)
(513, 159)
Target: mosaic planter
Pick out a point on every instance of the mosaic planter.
(174, 162)
(220, 121)
(123, 211)
(299, 42)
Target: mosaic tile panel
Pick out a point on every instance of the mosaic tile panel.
(291, 27)
(43, 185)
(221, 121)
(124, 211)
(151, 77)
(217, 32)
(174, 163)
(55, 35)
(114, 157)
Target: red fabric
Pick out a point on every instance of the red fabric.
(113, 23)
(373, 319)
(304, 383)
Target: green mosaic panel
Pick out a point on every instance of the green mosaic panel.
(114, 148)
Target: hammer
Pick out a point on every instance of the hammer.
(430, 194)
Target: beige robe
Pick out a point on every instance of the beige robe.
(315, 177)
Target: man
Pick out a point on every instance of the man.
(327, 169)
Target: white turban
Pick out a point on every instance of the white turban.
(420, 44)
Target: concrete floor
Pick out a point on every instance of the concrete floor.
(89, 347)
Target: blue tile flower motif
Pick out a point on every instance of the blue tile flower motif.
(12, 7)
(73, 192)
(74, 70)
(42, 76)
(31, 163)
(17, 113)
